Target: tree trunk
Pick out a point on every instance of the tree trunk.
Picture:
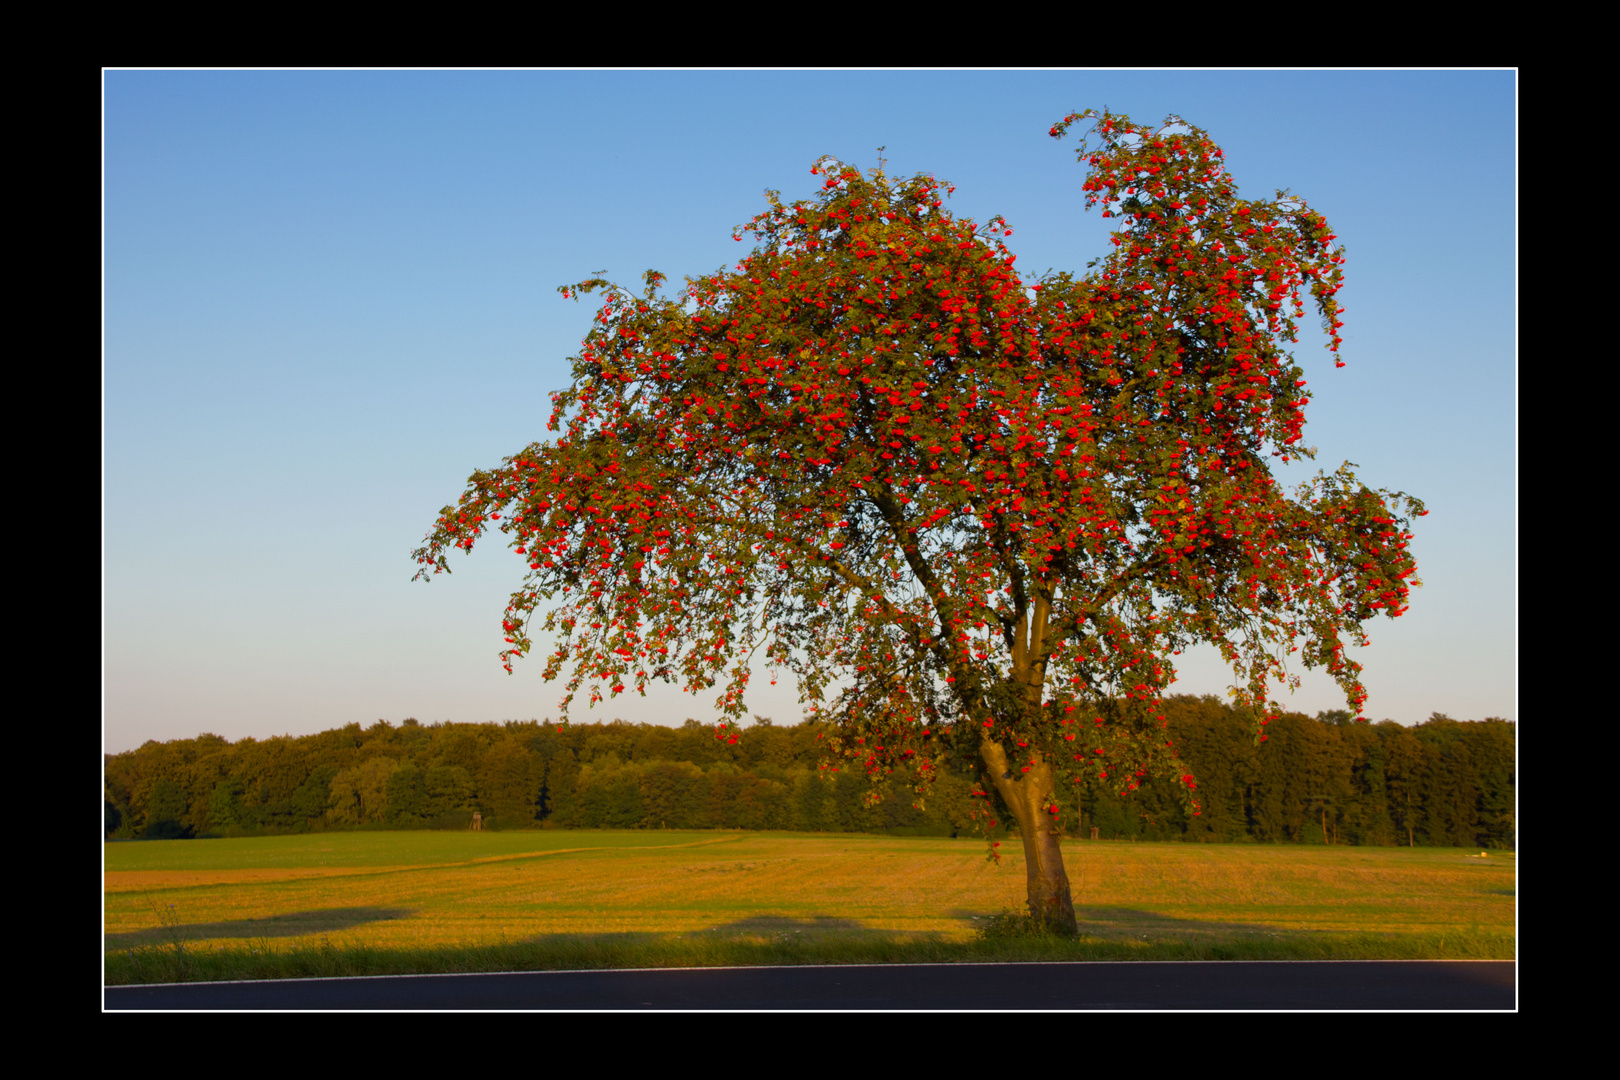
(1027, 794)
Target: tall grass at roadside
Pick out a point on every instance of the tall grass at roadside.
(268, 960)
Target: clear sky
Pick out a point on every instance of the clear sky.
(329, 297)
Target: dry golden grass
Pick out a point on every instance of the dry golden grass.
(394, 891)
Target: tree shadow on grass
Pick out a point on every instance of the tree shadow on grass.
(770, 925)
(821, 939)
(1105, 933)
(755, 928)
(291, 924)
(754, 931)
(1133, 924)
(756, 940)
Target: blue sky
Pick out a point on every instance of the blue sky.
(330, 296)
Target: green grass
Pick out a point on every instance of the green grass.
(418, 902)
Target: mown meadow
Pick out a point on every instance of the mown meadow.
(421, 901)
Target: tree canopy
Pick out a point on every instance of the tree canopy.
(972, 513)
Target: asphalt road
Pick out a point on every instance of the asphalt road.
(1362, 984)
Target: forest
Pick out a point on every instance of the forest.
(1321, 780)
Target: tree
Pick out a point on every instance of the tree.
(1406, 774)
(166, 810)
(974, 515)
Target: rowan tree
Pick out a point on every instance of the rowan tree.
(975, 515)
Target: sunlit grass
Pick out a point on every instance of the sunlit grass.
(352, 903)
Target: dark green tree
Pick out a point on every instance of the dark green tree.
(166, 812)
(225, 809)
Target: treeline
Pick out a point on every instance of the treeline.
(1322, 780)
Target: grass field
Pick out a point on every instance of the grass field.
(381, 902)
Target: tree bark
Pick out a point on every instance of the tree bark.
(1027, 791)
